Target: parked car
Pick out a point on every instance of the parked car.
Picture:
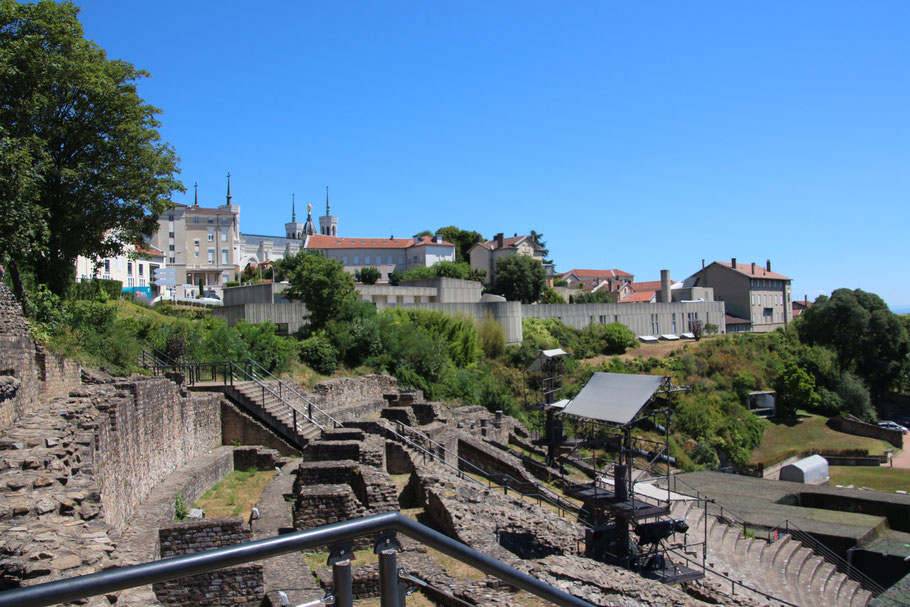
(893, 426)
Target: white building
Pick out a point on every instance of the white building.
(135, 268)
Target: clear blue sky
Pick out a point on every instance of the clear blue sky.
(638, 136)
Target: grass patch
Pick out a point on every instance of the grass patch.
(809, 434)
(236, 494)
(882, 478)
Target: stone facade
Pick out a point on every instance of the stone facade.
(234, 586)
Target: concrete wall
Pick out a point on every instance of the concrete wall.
(642, 319)
(852, 425)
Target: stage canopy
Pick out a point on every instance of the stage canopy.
(544, 356)
(614, 397)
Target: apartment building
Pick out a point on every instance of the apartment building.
(485, 255)
(386, 254)
(750, 291)
(135, 268)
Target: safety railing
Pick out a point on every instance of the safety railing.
(807, 540)
(786, 527)
(313, 410)
(338, 537)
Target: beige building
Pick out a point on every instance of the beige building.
(201, 244)
(749, 291)
(485, 255)
(385, 254)
(135, 268)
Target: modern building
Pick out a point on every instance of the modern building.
(135, 268)
(749, 291)
(485, 255)
(385, 254)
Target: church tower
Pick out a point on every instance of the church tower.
(294, 229)
(328, 224)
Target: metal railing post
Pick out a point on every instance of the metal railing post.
(340, 561)
(389, 590)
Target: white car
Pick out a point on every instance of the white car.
(893, 426)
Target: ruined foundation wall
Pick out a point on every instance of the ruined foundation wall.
(149, 431)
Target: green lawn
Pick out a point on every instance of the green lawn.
(808, 434)
(882, 478)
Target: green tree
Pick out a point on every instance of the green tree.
(462, 239)
(322, 285)
(368, 275)
(796, 390)
(537, 237)
(869, 339)
(520, 278)
(595, 297)
(83, 170)
(551, 296)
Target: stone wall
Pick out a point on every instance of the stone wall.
(58, 374)
(235, 586)
(347, 398)
(148, 431)
(240, 428)
(852, 425)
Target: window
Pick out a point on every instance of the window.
(344, 260)
(195, 220)
(170, 218)
(211, 256)
(223, 235)
(170, 234)
(171, 247)
(129, 269)
(401, 259)
(674, 322)
(107, 266)
(753, 299)
(211, 236)
(356, 260)
(366, 260)
(224, 256)
(390, 260)
(211, 220)
(141, 268)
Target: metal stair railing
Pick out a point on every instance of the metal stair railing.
(150, 357)
(807, 540)
(283, 386)
(338, 536)
(786, 527)
(502, 481)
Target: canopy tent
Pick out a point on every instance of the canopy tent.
(810, 470)
(544, 356)
(614, 397)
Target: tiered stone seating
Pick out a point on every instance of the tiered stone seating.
(785, 569)
(277, 409)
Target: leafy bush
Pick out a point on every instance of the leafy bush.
(319, 353)
(100, 289)
(492, 337)
(368, 275)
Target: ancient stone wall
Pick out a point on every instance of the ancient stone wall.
(348, 398)
(148, 431)
(58, 374)
(235, 586)
(489, 459)
(239, 428)
(19, 386)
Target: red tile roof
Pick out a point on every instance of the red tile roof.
(650, 285)
(760, 271)
(149, 251)
(319, 241)
(638, 297)
(596, 274)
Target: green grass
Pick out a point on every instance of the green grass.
(882, 478)
(809, 434)
(236, 494)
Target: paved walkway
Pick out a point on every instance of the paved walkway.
(288, 572)
(902, 459)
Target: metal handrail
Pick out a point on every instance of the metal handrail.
(806, 539)
(113, 580)
(432, 455)
(286, 386)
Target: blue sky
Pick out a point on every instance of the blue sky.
(637, 136)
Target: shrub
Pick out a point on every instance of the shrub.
(368, 275)
(319, 353)
(492, 337)
(100, 289)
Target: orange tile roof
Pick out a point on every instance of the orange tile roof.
(760, 270)
(649, 285)
(149, 251)
(638, 297)
(320, 241)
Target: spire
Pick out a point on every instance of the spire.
(196, 192)
(327, 212)
(229, 188)
(293, 210)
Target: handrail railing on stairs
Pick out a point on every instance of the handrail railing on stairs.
(282, 386)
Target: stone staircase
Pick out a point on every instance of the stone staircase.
(785, 568)
(277, 413)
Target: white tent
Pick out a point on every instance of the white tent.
(811, 470)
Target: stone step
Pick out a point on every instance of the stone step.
(861, 598)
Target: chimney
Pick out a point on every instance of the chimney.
(665, 296)
(479, 238)
(515, 235)
(499, 240)
(704, 274)
(438, 238)
(733, 263)
(768, 265)
(753, 268)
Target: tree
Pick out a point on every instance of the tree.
(537, 237)
(83, 170)
(520, 278)
(869, 339)
(368, 275)
(551, 296)
(462, 239)
(322, 285)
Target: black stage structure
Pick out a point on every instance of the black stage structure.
(618, 501)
